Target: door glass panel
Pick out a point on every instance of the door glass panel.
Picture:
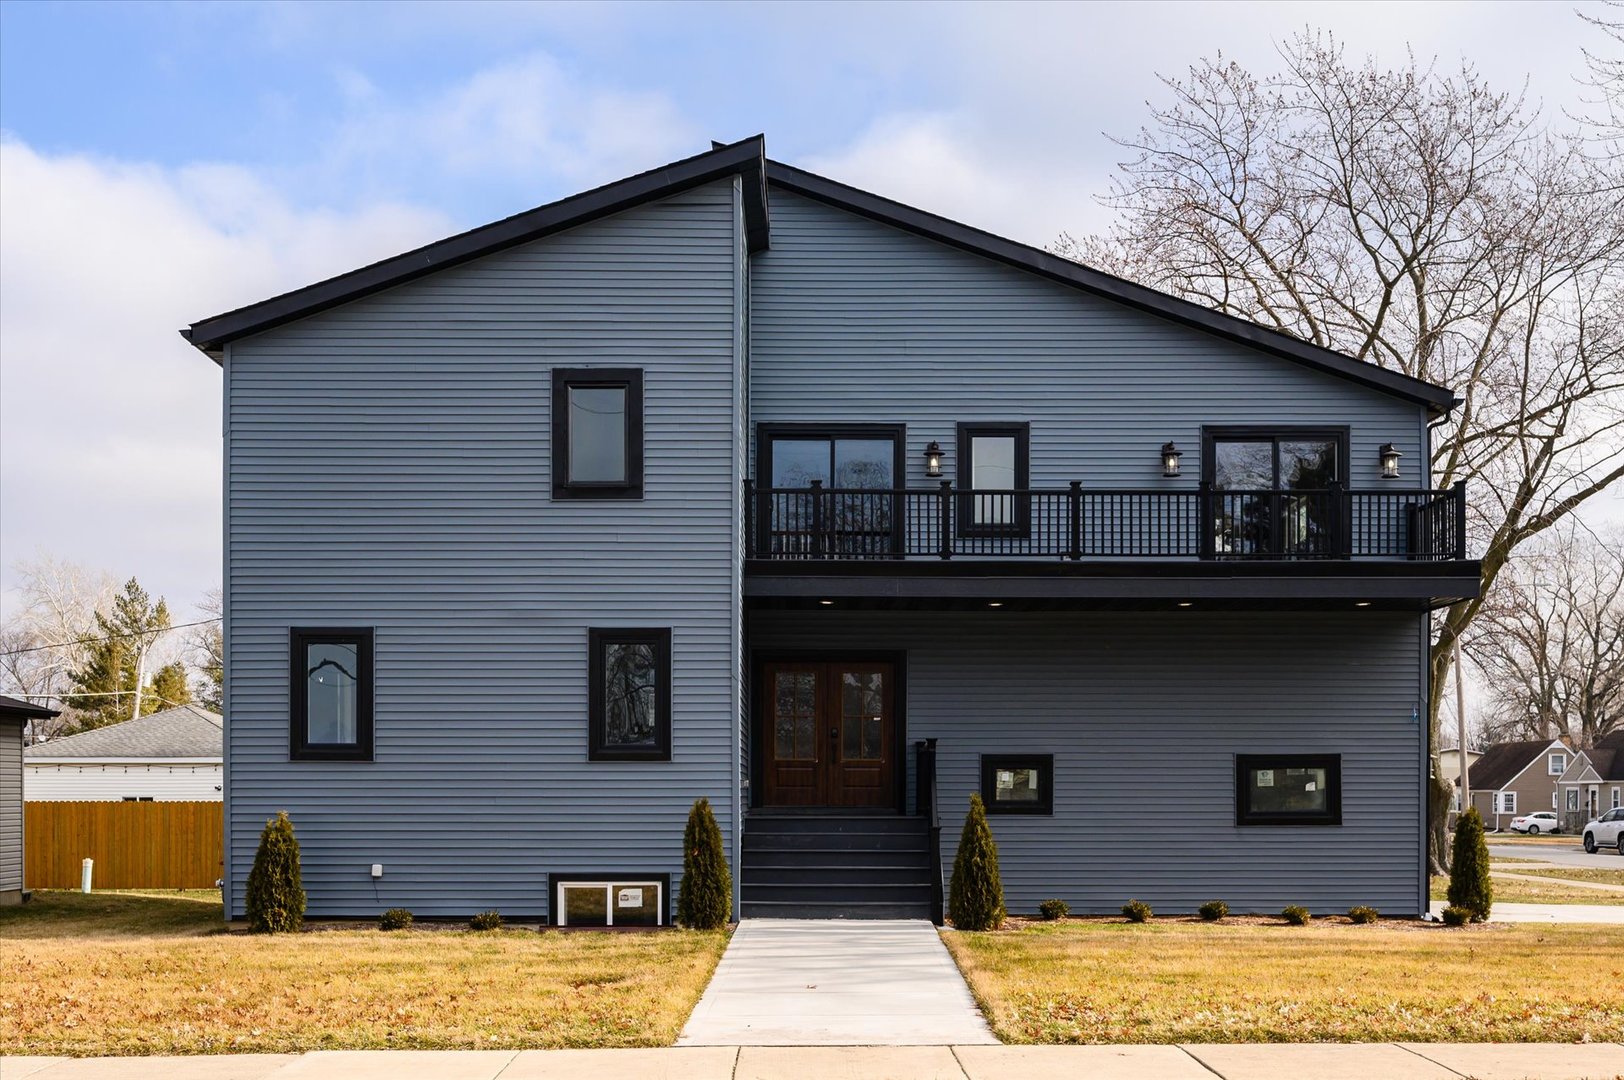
(1305, 520)
(862, 699)
(864, 463)
(798, 462)
(597, 434)
(1241, 470)
(992, 467)
(795, 716)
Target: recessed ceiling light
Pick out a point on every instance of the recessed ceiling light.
(1361, 603)
(1184, 603)
(826, 603)
(995, 603)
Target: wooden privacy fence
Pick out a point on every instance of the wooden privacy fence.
(136, 845)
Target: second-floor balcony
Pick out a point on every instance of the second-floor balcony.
(1075, 524)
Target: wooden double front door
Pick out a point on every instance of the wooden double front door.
(829, 734)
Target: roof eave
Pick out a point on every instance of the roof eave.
(1437, 399)
(746, 158)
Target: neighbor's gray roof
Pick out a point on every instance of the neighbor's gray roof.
(186, 731)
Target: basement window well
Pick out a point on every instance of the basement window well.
(610, 901)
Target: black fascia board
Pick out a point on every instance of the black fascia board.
(1438, 400)
(746, 159)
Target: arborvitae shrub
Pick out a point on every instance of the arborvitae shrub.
(396, 918)
(1136, 911)
(706, 899)
(486, 920)
(1362, 914)
(1054, 910)
(1469, 885)
(275, 903)
(1296, 915)
(1213, 910)
(1457, 916)
(976, 897)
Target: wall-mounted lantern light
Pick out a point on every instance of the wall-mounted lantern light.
(933, 459)
(1390, 456)
(1170, 459)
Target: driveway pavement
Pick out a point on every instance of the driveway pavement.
(833, 982)
(1274, 1061)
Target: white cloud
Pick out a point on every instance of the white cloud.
(111, 452)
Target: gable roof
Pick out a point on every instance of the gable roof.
(1504, 762)
(747, 158)
(185, 731)
(16, 709)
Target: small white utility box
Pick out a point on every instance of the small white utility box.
(377, 869)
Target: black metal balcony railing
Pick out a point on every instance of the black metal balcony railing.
(834, 523)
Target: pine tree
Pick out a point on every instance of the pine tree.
(106, 686)
(276, 898)
(167, 689)
(706, 899)
(1469, 885)
(976, 897)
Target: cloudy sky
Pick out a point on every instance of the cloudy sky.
(161, 163)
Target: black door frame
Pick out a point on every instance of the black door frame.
(897, 658)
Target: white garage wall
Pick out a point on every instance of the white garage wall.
(112, 782)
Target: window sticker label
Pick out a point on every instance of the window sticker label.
(1265, 778)
(630, 898)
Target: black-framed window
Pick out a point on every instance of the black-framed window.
(330, 693)
(1272, 489)
(1288, 789)
(629, 698)
(597, 433)
(994, 458)
(861, 464)
(1017, 783)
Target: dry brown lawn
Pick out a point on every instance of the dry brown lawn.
(1258, 980)
(1597, 874)
(1517, 891)
(158, 974)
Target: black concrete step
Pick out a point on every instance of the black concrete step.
(760, 909)
(765, 824)
(755, 874)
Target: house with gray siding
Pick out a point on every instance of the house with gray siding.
(730, 481)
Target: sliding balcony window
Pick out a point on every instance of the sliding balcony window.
(994, 466)
(597, 433)
(1275, 491)
(330, 694)
(832, 489)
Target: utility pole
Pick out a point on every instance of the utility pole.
(1460, 728)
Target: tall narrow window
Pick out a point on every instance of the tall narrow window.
(630, 695)
(330, 694)
(994, 464)
(597, 433)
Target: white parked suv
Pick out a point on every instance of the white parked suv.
(1534, 824)
(1606, 831)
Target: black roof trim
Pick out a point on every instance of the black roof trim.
(746, 158)
(16, 709)
(967, 238)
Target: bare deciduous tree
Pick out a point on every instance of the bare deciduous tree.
(39, 644)
(1419, 221)
(206, 648)
(1550, 640)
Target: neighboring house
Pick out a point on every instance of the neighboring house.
(1593, 783)
(729, 481)
(168, 756)
(14, 716)
(1515, 778)
(1449, 768)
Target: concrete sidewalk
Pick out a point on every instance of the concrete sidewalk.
(1551, 913)
(1263, 1061)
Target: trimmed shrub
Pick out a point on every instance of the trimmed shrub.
(706, 899)
(275, 903)
(486, 920)
(1054, 910)
(976, 897)
(1362, 914)
(1213, 910)
(1296, 915)
(1136, 911)
(396, 918)
(1458, 916)
(1469, 885)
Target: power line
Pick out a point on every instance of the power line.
(109, 637)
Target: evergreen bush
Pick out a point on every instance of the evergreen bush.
(1136, 911)
(486, 920)
(976, 896)
(1296, 915)
(1054, 910)
(275, 902)
(1213, 910)
(1457, 916)
(706, 899)
(396, 918)
(1362, 914)
(1469, 885)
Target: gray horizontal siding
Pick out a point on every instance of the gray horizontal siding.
(853, 320)
(1144, 714)
(389, 466)
(11, 806)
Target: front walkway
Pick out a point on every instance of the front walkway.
(1270, 1061)
(1550, 913)
(832, 982)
